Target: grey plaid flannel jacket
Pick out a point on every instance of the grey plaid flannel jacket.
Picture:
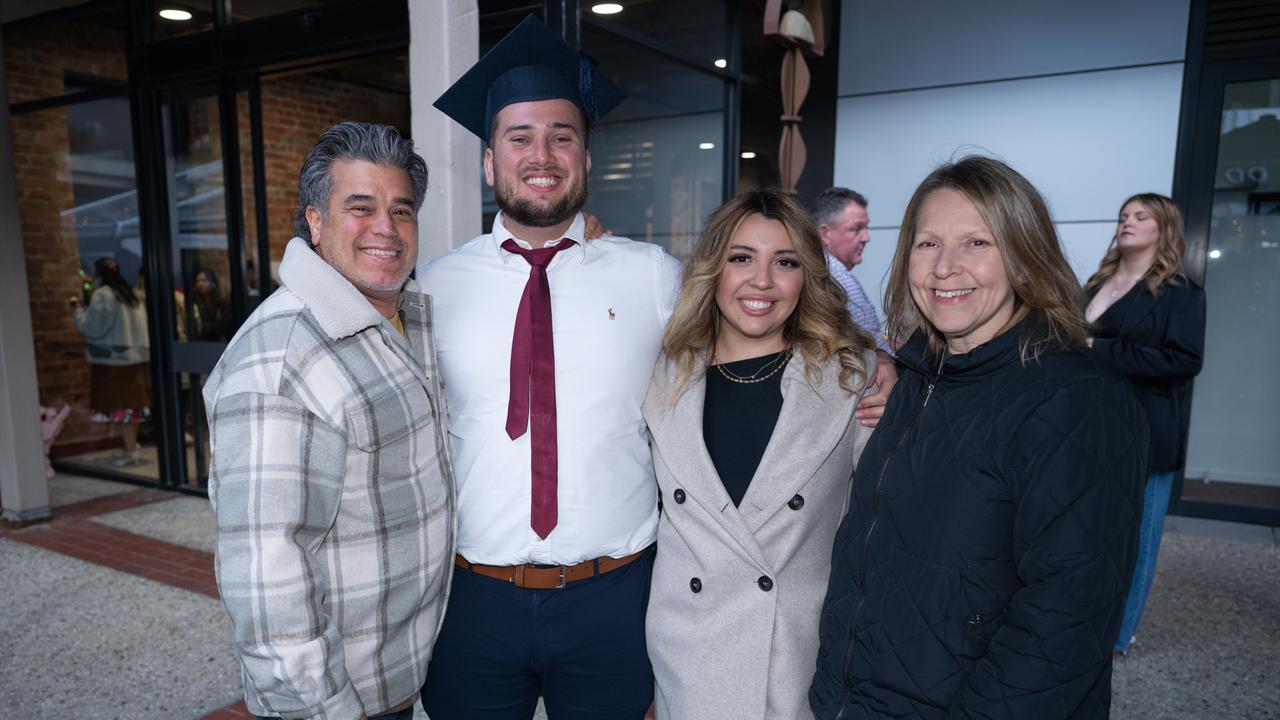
(333, 494)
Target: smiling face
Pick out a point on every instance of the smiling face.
(537, 163)
(1137, 231)
(759, 288)
(956, 274)
(370, 231)
(846, 235)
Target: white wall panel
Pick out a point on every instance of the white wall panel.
(1086, 243)
(892, 45)
(1087, 141)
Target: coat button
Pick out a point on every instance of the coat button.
(679, 496)
(765, 583)
(695, 585)
(796, 502)
(974, 622)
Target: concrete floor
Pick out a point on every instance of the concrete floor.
(86, 641)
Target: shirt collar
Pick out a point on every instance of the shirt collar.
(836, 267)
(575, 232)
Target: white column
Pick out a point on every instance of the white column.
(24, 492)
(444, 41)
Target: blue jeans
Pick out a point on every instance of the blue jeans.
(1155, 504)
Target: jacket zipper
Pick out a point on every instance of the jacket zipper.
(866, 541)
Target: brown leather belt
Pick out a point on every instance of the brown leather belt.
(554, 577)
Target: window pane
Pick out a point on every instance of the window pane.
(1232, 450)
(657, 160)
(78, 201)
(198, 214)
(71, 51)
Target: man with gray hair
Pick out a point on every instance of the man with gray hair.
(330, 476)
(842, 220)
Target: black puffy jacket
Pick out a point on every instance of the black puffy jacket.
(982, 567)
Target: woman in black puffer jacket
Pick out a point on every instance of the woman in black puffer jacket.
(982, 566)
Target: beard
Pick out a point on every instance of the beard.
(534, 214)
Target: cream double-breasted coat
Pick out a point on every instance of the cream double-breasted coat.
(732, 626)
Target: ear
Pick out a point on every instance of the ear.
(488, 166)
(588, 154)
(314, 220)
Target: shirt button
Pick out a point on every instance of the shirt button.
(695, 585)
(765, 583)
(679, 498)
(796, 502)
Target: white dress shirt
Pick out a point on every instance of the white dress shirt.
(610, 300)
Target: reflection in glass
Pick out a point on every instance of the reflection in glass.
(195, 429)
(76, 194)
(198, 213)
(1232, 446)
(657, 160)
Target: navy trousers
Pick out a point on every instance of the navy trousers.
(581, 648)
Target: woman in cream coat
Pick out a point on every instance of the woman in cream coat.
(751, 413)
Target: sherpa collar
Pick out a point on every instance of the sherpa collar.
(337, 305)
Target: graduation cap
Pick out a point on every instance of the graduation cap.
(530, 63)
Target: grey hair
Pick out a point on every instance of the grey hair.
(832, 201)
(351, 140)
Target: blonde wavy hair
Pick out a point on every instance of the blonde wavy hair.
(1170, 244)
(818, 328)
(1046, 293)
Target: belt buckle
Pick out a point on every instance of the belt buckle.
(562, 580)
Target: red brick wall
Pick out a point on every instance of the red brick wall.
(36, 58)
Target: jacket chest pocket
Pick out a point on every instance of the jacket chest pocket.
(394, 455)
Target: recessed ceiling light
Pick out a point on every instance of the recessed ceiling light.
(1215, 254)
(706, 146)
(175, 14)
(606, 8)
(748, 155)
(721, 63)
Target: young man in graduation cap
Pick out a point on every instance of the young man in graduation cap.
(557, 502)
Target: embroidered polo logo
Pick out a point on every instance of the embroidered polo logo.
(612, 315)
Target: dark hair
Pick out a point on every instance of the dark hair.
(350, 140)
(109, 270)
(832, 201)
(1046, 293)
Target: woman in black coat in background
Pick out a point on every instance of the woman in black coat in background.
(982, 566)
(1148, 319)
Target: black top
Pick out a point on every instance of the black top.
(981, 568)
(738, 418)
(1158, 343)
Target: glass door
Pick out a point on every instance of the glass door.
(1233, 459)
(212, 196)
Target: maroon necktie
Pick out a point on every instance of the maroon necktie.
(533, 380)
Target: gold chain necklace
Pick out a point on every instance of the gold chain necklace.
(776, 364)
